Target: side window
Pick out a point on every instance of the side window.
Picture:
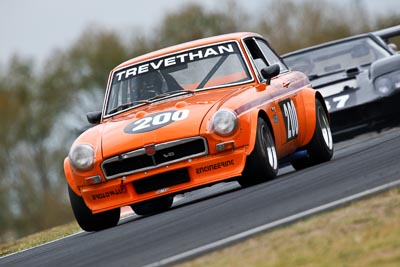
(270, 54)
(256, 55)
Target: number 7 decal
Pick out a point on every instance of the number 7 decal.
(289, 114)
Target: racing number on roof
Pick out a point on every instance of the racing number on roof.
(289, 114)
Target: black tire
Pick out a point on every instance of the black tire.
(320, 148)
(88, 221)
(262, 163)
(153, 206)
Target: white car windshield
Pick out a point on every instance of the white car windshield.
(337, 57)
(210, 66)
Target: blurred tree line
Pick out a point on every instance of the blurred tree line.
(43, 109)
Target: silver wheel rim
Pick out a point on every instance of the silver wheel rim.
(269, 146)
(325, 129)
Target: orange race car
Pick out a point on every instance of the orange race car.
(189, 116)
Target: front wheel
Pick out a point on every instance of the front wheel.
(87, 220)
(262, 163)
(320, 148)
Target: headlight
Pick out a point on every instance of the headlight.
(82, 157)
(387, 83)
(396, 80)
(384, 85)
(224, 122)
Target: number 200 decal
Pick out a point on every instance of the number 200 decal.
(290, 117)
(156, 121)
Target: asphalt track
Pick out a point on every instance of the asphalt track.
(217, 213)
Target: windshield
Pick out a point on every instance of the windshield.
(336, 57)
(206, 67)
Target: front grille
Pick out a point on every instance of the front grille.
(165, 153)
(161, 181)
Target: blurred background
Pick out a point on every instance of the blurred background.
(55, 57)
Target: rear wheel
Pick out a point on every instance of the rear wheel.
(262, 163)
(153, 206)
(320, 148)
(88, 221)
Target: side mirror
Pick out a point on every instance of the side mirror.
(93, 117)
(270, 72)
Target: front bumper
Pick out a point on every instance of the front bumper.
(166, 180)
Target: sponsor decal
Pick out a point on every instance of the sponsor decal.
(215, 166)
(290, 117)
(107, 194)
(172, 60)
(155, 121)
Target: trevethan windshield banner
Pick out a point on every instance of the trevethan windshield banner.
(174, 60)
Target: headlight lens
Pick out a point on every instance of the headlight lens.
(224, 122)
(396, 80)
(82, 157)
(386, 84)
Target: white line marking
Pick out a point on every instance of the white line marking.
(41, 245)
(267, 226)
(126, 212)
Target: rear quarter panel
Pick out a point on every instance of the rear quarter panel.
(300, 92)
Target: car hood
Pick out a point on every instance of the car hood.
(163, 121)
(337, 76)
(336, 83)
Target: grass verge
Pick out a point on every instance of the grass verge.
(39, 238)
(365, 233)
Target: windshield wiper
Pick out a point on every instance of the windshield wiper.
(127, 105)
(316, 76)
(171, 93)
(149, 101)
(313, 77)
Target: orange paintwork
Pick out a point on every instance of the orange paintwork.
(248, 101)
